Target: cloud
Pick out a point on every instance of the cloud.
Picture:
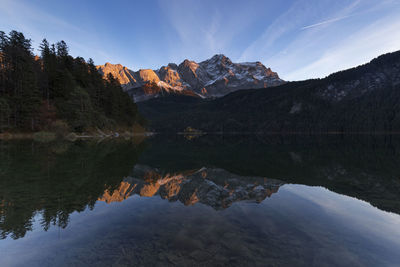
(381, 37)
(37, 24)
(282, 45)
(283, 30)
(204, 28)
(283, 24)
(325, 22)
(331, 44)
(24, 15)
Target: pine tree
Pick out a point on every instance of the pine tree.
(62, 49)
(44, 49)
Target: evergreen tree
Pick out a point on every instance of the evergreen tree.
(62, 49)
(44, 49)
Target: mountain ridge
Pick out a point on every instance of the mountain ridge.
(362, 99)
(211, 78)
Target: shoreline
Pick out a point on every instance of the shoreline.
(50, 136)
(74, 136)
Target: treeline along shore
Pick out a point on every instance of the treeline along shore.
(55, 92)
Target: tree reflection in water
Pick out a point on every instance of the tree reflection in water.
(57, 179)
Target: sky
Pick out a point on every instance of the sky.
(299, 39)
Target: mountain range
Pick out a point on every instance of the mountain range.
(362, 99)
(213, 187)
(215, 77)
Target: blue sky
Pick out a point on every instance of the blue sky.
(299, 39)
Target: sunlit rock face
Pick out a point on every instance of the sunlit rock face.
(126, 77)
(123, 192)
(211, 78)
(171, 76)
(148, 76)
(213, 187)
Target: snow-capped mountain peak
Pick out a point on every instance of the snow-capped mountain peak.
(214, 77)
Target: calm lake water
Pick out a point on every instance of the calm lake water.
(207, 201)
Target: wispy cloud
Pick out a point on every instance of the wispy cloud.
(299, 52)
(326, 22)
(286, 27)
(378, 38)
(282, 24)
(203, 28)
(38, 24)
(25, 16)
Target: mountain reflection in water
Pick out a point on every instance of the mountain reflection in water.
(214, 200)
(213, 187)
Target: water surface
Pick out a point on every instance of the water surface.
(213, 200)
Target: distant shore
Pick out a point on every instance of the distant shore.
(50, 136)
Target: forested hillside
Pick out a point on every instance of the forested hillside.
(55, 90)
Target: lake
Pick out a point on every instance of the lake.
(178, 200)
